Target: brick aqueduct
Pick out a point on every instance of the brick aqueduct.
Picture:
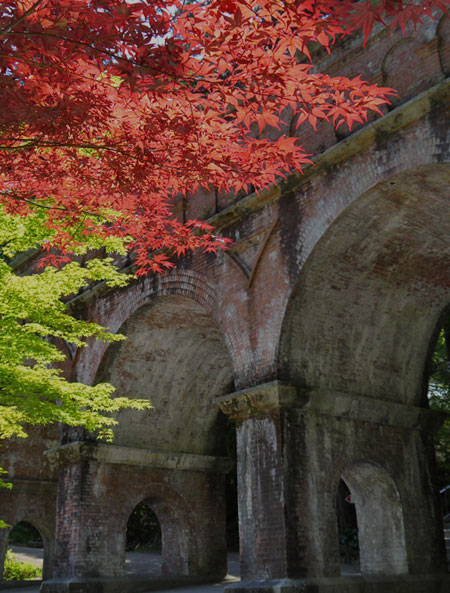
(313, 332)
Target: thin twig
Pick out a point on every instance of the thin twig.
(45, 206)
(22, 18)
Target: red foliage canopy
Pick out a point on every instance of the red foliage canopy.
(120, 104)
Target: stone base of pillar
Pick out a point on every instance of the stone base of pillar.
(438, 583)
(125, 584)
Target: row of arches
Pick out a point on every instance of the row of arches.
(358, 326)
(150, 541)
(366, 293)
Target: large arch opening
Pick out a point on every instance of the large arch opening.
(355, 342)
(365, 307)
(439, 399)
(176, 357)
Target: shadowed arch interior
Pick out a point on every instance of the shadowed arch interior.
(366, 304)
(172, 523)
(176, 357)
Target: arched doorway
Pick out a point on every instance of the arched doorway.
(156, 541)
(143, 530)
(27, 553)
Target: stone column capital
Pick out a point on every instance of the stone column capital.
(259, 400)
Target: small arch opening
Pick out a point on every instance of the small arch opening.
(143, 530)
(157, 530)
(143, 542)
(24, 558)
(348, 530)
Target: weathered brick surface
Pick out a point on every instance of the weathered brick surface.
(95, 501)
(31, 500)
(335, 284)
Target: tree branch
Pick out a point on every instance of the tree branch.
(22, 18)
(45, 206)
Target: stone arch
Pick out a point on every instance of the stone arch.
(175, 356)
(115, 309)
(46, 532)
(381, 531)
(367, 301)
(174, 519)
(354, 344)
(48, 537)
(309, 206)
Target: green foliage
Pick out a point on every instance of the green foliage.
(439, 396)
(143, 529)
(4, 484)
(19, 571)
(349, 545)
(33, 318)
(24, 534)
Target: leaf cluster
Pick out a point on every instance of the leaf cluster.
(34, 323)
(19, 571)
(126, 104)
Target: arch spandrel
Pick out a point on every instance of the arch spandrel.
(176, 357)
(366, 303)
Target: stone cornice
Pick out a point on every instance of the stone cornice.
(115, 454)
(369, 409)
(402, 116)
(264, 399)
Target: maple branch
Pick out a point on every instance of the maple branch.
(105, 52)
(47, 207)
(22, 18)
(33, 202)
(32, 143)
(170, 77)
